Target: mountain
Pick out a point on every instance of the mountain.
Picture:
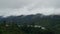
(50, 20)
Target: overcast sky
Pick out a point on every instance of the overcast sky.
(19, 7)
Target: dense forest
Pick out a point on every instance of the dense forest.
(28, 24)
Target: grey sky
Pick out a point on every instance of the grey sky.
(18, 7)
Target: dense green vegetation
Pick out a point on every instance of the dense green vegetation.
(15, 29)
(51, 23)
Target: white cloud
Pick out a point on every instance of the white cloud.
(18, 7)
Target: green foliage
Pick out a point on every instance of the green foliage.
(14, 29)
(51, 23)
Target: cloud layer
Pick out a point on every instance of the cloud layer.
(18, 7)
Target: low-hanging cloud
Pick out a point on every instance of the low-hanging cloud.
(18, 7)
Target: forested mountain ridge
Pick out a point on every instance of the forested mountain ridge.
(48, 21)
(28, 19)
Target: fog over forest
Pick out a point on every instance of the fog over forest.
(29, 16)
